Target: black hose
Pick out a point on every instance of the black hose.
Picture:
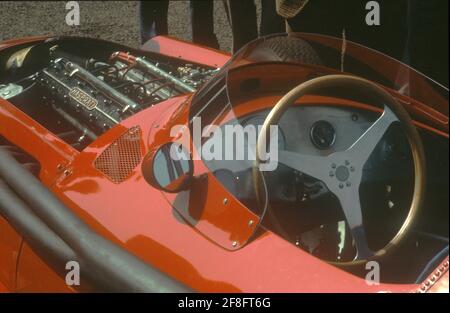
(104, 259)
(55, 251)
(43, 241)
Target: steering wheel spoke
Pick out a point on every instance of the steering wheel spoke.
(351, 207)
(363, 147)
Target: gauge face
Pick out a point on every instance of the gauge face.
(323, 135)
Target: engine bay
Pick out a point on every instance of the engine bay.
(78, 94)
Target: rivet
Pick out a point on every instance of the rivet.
(390, 204)
(331, 173)
(234, 244)
(333, 165)
(67, 172)
(341, 185)
(347, 162)
(225, 201)
(59, 166)
(348, 184)
(250, 223)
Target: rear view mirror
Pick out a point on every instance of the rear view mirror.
(168, 168)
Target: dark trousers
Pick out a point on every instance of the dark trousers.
(153, 18)
(412, 31)
(428, 38)
(271, 22)
(202, 19)
(332, 17)
(153, 21)
(242, 15)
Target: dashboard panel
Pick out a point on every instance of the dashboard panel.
(298, 123)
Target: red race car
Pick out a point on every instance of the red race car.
(300, 164)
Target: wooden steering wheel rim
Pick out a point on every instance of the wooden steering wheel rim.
(346, 81)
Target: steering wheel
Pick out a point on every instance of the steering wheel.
(342, 171)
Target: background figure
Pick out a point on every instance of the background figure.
(202, 20)
(271, 22)
(242, 16)
(315, 16)
(332, 17)
(153, 18)
(428, 38)
(390, 37)
(412, 31)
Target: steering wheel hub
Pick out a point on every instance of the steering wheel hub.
(345, 177)
(342, 173)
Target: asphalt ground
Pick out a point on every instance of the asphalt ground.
(112, 20)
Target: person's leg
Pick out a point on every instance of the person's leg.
(331, 17)
(319, 16)
(202, 21)
(152, 18)
(428, 38)
(243, 22)
(271, 22)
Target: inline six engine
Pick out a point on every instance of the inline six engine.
(80, 93)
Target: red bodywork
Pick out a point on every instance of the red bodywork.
(142, 220)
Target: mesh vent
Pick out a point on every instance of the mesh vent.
(119, 160)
